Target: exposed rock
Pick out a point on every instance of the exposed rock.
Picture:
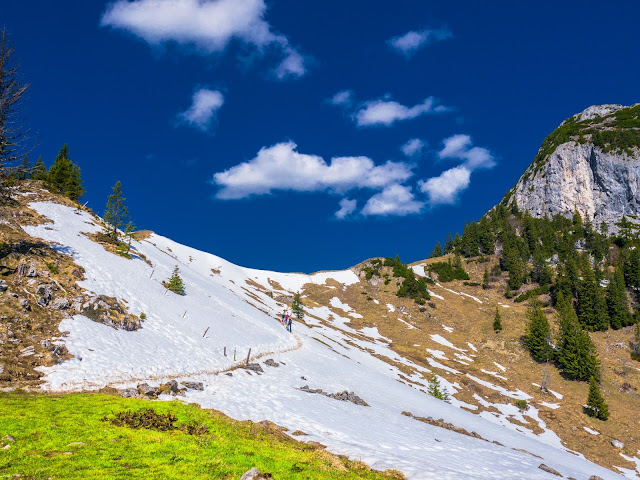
(344, 396)
(595, 477)
(10, 439)
(76, 273)
(194, 385)
(60, 303)
(3, 286)
(270, 363)
(129, 393)
(25, 270)
(617, 443)
(145, 389)
(255, 474)
(602, 186)
(44, 291)
(544, 467)
(43, 301)
(254, 367)
(24, 303)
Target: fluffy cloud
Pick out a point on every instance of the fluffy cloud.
(460, 147)
(342, 99)
(393, 200)
(444, 189)
(410, 42)
(413, 147)
(202, 112)
(387, 112)
(281, 167)
(209, 25)
(347, 207)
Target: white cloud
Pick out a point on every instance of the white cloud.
(393, 200)
(460, 147)
(386, 112)
(209, 25)
(202, 112)
(343, 98)
(413, 147)
(347, 207)
(444, 189)
(281, 167)
(410, 42)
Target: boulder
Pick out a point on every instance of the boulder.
(254, 366)
(60, 303)
(544, 467)
(24, 303)
(43, 301)
(44, 291)
(270, 363)
(3, 286)
(617, 443)
(194, 385)
(145, 389)
(255, 474)
(128, 393)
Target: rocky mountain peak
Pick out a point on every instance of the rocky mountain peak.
(589, 164)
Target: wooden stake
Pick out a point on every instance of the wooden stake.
(205, 332)
(248, 355)
(234, 354)
(152, 270)
(185, 312)
(225, 351)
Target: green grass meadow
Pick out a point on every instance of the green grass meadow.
(47, 429)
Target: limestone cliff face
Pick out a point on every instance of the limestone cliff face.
(599, 180)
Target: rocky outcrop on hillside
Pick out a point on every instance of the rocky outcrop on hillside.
(591, 164)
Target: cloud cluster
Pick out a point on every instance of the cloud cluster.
(202, 112)
(410, 42)
(384, 112)
(445, 188)
(208, 25)
(413, 148)
(393, 200)
(282, 167)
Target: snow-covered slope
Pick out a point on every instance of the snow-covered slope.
(238, 309)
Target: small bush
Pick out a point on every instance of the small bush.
(143, 316)
(52, 267)
(152, 420)
(522, 405)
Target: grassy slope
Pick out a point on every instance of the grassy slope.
(473, 322)
(45, 428)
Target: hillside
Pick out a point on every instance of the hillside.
(589, 164)
(353, 375)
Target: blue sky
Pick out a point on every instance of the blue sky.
(300, 136)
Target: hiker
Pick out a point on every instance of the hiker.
(289, 322)
(283, 319)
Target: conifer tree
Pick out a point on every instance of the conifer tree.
(437, 251)
(296, 306)
(596, 406)
(617, 302)
(485, 279)
(497, 322)
(116, 214)
(449, 245)
(436, 390)
(13, 132)
(39, 171)
(175, 283)
(537, 339)
(576, 352)
(64, 176)
(591, 305)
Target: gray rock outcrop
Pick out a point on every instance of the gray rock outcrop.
(579, 175)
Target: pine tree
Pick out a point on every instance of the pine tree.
(596, 406)
(13, 133)
(576, 352)
(64, 176)
(437, 251)
(116, 214)
(296, 306)
(449, 246)
(497, 322)
(485, 279)
(591, 305)
(635, 347)
(617, 302)
(39, 171)
(538, 334)
(175, 283)
(436, 390)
